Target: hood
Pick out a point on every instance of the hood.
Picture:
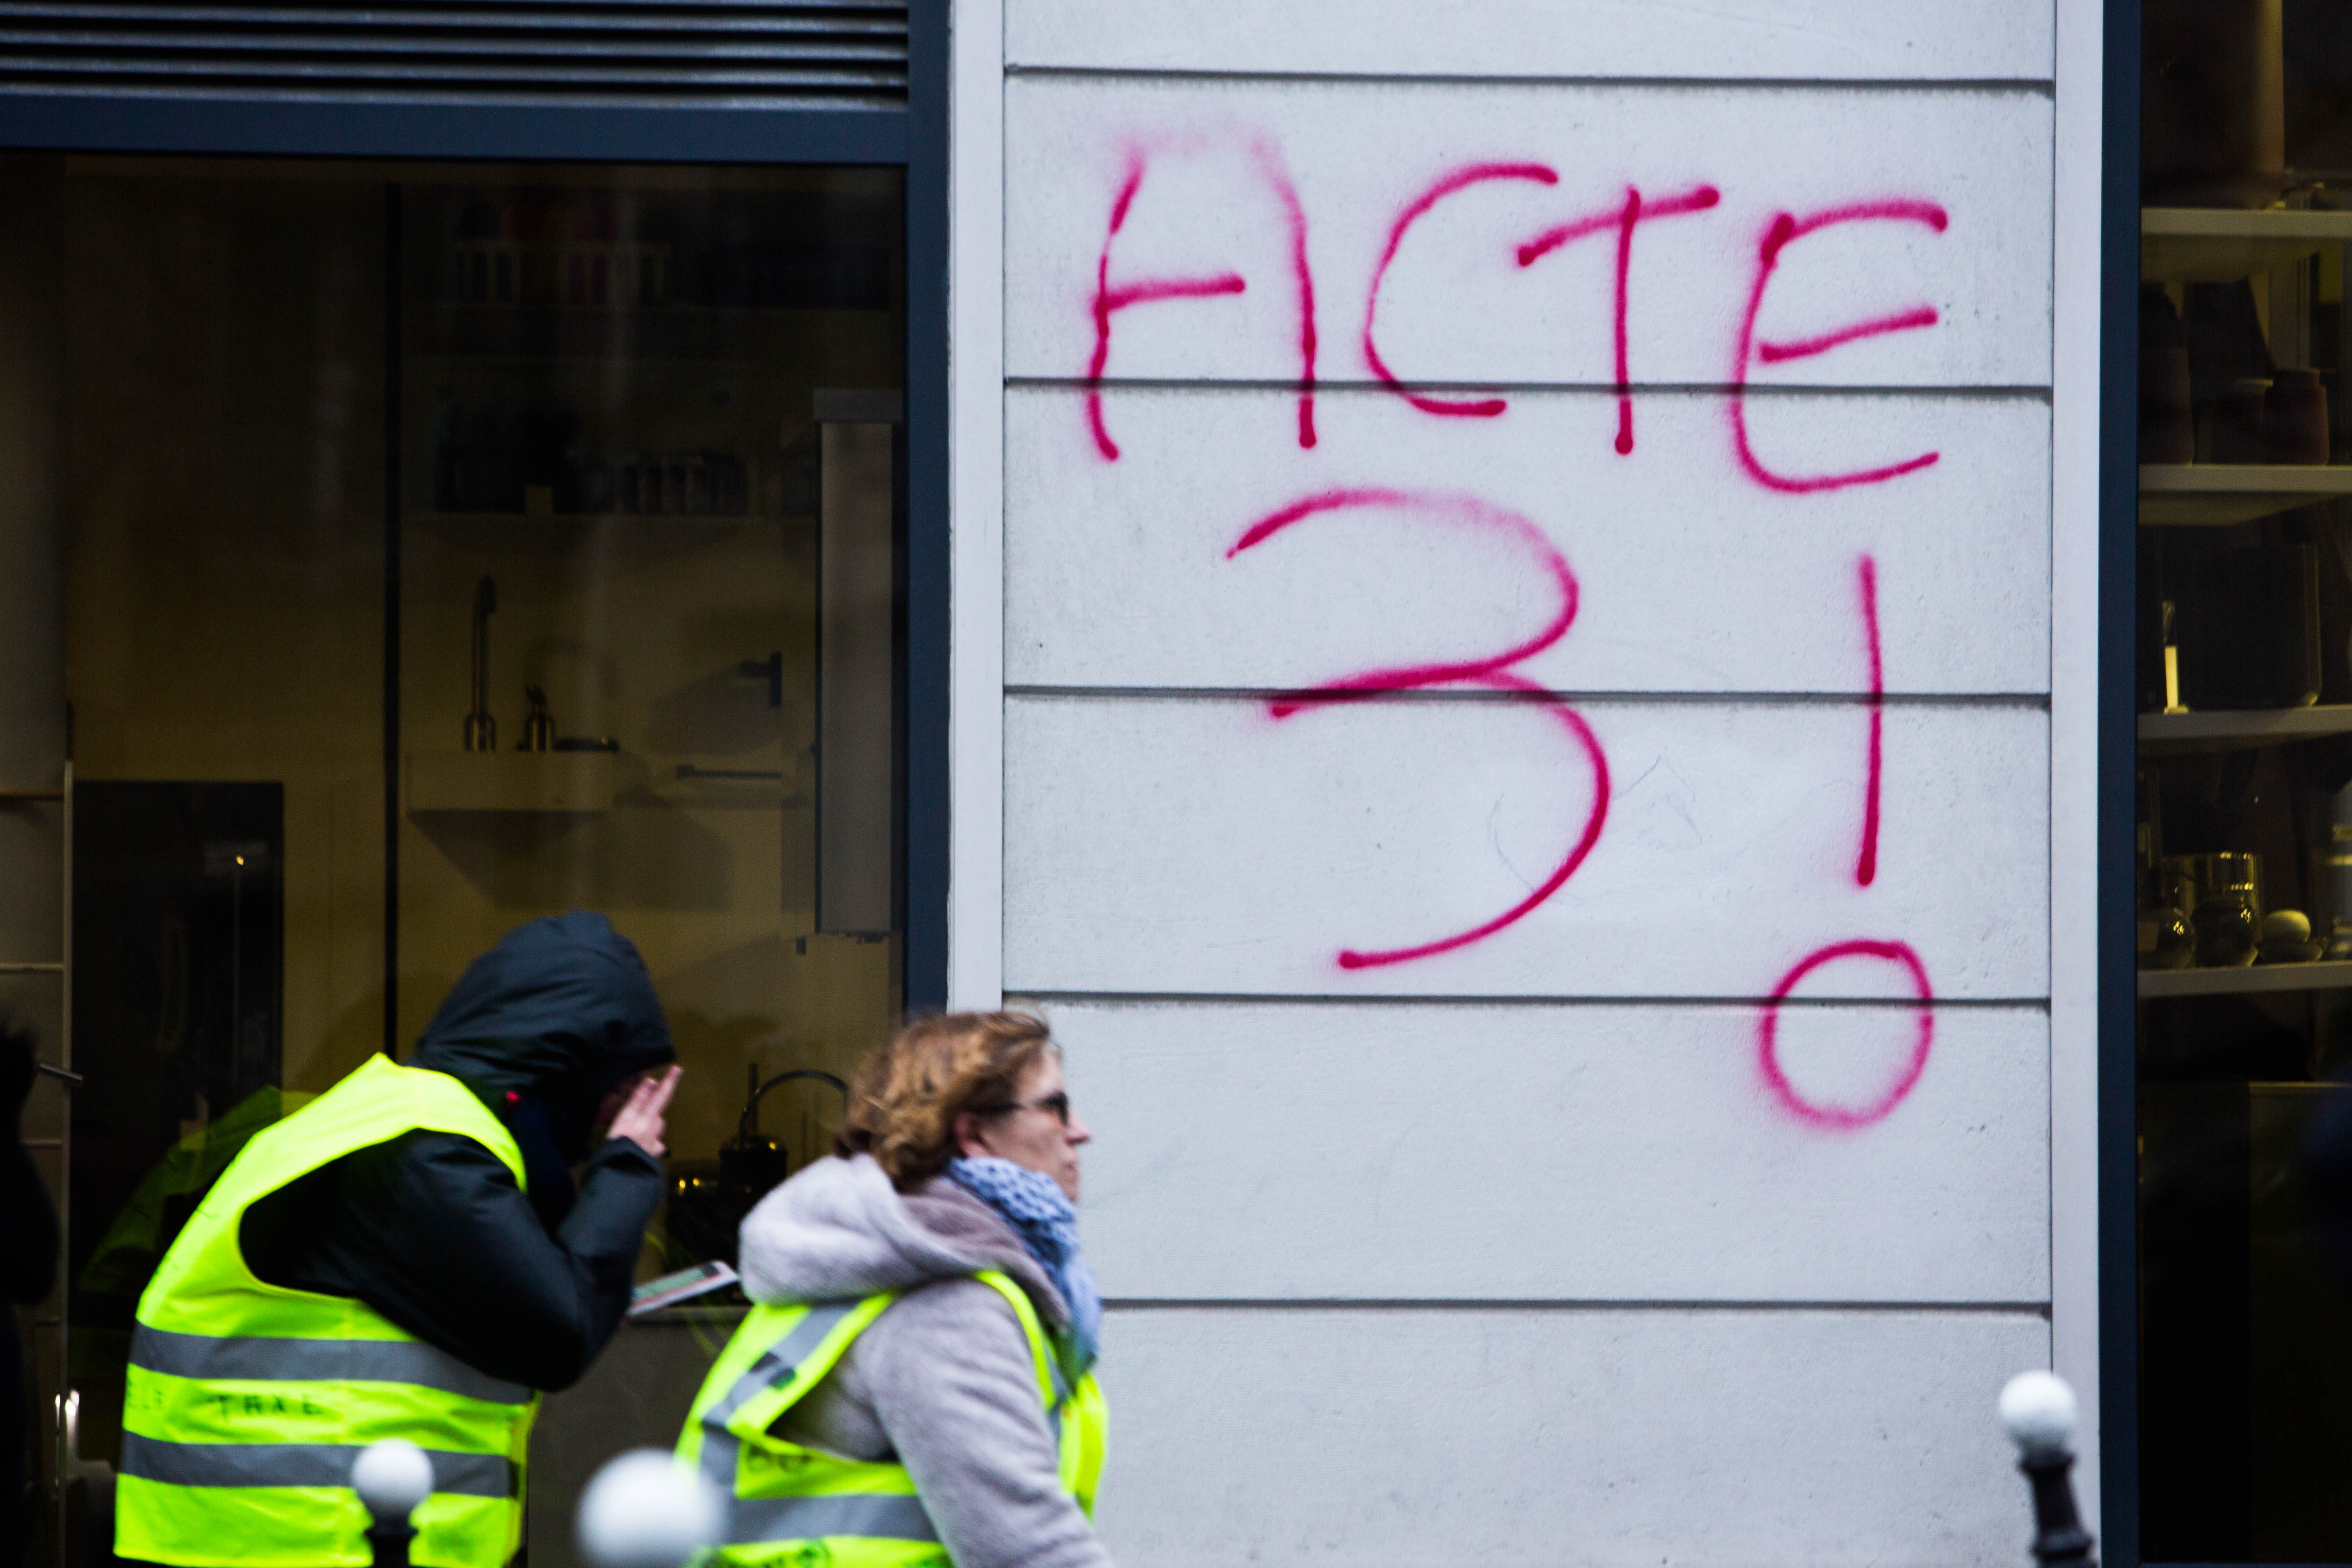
(558, 1014)
(838, 1231)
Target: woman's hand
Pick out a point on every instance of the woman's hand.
(641, 1119)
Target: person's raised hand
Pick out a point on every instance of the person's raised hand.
(643, 1118)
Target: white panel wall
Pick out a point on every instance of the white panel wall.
(1622, 1153)
(1456, 304)
(1538, 1436)
(1156, 845)
(1829, 40)
(1691, 578)
(1564, 1242)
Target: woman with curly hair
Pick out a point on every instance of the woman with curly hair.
(915, 1384)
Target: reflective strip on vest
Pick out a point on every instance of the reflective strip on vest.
(896, 1516)
(720, 1447)
(260, 1359)
(300, 1465)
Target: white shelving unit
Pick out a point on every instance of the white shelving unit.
(2216, 495)
(2261, 977)
(2218, 244)
(2229, 727)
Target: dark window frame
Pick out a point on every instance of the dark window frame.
(2118, 750)
(913, 138)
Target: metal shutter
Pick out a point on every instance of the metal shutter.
(815, 53)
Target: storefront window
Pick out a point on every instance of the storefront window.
(2245, 785)
(446, 546)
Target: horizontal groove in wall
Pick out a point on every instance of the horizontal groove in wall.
(2024, 87)
(1330, 999)
(1425, 695)
(1538, 1304)
(1078, 384)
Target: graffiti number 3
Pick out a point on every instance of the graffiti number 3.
(1493, 672)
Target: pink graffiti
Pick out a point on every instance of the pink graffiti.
(1459, 180)
(1459, 508)
(1805, 348)
(1836, 1117)
(1784, 230)
(1277, 174)
(1866, 868)
(1109, 301)
(1624, 219)
(1492, 673)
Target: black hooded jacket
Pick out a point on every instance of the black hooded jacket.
(431, 1229)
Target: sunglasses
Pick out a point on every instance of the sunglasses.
(1056, 1105)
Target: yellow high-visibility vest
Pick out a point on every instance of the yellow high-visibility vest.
(247, 1402)
(792, 1505)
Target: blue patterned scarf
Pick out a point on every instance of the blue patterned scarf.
(1031, 1202)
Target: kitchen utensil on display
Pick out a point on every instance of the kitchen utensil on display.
(706, 1208)
(2229, 915)
(2166, 938)
(538, 724)
(481, 730)
(2238, 419)
(2285, 938)
(753, 1160)
(2297, 430)
(2247, 626)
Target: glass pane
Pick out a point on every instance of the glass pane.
(445, 546)
(2245, 755)
(646, 565)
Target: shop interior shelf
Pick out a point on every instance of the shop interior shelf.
(2220, 245)
(461, 520)
(748, 334)
(2245, 982)
(2215, 495)
(555, 782)
(2227, 729)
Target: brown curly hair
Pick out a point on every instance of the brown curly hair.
(906, 1097)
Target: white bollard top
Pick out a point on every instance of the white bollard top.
(392, 1476)
(644, 1510)
(2038, 1409)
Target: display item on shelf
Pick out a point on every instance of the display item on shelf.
(2229, 915)
(538, 723)
(481, 730)
(2285, 938)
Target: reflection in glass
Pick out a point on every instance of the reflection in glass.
(445, 546)
(2245, 771)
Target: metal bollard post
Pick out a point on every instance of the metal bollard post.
(392, 1476)
(644, 1510)
(2038, 1409)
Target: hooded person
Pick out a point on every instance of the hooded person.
(407, 1255)
(914, 1387)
